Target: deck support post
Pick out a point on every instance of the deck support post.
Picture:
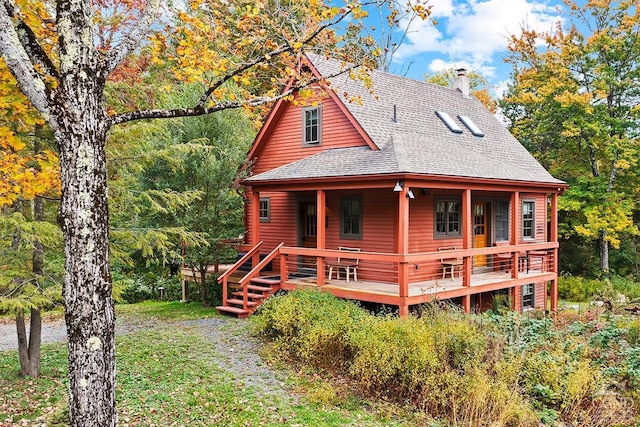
(255, 225)
(554, 262)
(554, 295)
(515, 209)
(467, 237)
(185, 290)
(466, 303)
(403, 310)
(516, 296)
(321, 210)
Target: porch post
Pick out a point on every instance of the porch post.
(554, 238)
(402, 247)
(255, 225)
(516, 296)
(321, 210)
(515, 209)
(467, 243)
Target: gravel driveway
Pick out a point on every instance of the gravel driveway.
(237, 350)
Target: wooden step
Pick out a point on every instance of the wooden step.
(249, 295)
(237, 301)
(258, 288)
(240, 312)
(268, 282)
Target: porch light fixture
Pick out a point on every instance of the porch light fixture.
(398, 187)
(410, 194)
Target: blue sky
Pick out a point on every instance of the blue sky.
(472, 34)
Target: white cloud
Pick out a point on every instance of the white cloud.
(472, 32)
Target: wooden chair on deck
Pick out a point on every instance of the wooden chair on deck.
(347, 263)
(450, 263)
(502, 258)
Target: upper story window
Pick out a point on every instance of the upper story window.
(501, 221)
(311, 125)
(265, 209)
(528, 219)
(447, 217)
(351, 217)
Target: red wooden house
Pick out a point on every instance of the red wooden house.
(407, 193)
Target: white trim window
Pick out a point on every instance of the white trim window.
(312, 125)
(528, 219)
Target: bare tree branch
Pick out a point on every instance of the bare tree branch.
(200, 110)
(19, 62)
(133, 39)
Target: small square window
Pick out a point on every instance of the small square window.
(265, 209)
(351, 217)
(311, 125)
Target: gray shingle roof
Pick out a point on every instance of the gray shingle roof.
(419, 142)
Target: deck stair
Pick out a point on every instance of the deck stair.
(251, 290)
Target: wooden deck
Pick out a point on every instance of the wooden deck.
(419, 292)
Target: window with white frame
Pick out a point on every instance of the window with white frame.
(528, 219)
(528, 296)
(447, 220)
(265, 209)
(311, 125)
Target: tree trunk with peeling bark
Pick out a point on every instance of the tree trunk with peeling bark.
(84, 219)
(68, 93)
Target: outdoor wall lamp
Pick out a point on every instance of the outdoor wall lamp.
(398, 188)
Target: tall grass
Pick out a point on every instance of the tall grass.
(461, 370)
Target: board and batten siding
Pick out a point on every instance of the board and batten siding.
(284, 144)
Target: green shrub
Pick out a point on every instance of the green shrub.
(505, 370)
(310, 326)
(578, 289)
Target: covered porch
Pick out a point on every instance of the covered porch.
(508, 268)
(414, 238)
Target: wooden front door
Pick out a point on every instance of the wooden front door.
(309, 231)
(480, 232)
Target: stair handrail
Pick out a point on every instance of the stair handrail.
(244, 282)
(223, 278)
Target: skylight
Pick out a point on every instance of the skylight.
(475, 130)
(447, 120)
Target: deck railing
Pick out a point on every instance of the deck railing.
(255, 271)
(404, 269)
(224, 277)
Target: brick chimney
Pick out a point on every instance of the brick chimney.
(461, 82)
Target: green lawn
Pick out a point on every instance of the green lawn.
(169, 376)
